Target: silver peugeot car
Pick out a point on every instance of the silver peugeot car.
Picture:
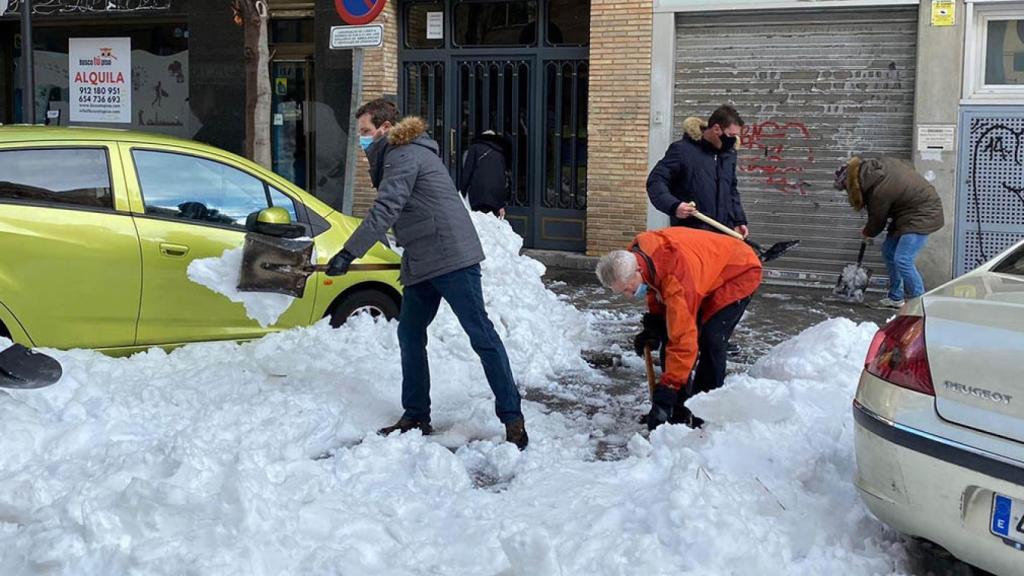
(939, 418)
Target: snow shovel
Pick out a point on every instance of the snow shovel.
(773, 251)
(853, 280)
(282, 266)
(24, 369)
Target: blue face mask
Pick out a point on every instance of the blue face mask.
(640, 291)
(365, 142)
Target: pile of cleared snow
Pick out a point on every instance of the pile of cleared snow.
(203, 461)
(221, 275)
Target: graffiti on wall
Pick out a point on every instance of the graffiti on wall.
(48, 7)
(995, 183)
(778, 153)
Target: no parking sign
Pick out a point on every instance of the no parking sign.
(359, 11)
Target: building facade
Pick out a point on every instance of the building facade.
(590, 93)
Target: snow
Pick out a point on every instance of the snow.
(210, 459)
(221, 275)
(853, 280)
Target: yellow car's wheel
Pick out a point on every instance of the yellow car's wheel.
(369, 301)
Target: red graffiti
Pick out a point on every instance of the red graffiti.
(778, 154)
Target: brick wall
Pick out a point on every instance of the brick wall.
(380, 77)
(620, 93)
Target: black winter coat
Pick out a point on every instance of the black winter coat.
(694, 171)
(483, 175)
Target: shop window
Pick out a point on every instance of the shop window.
(417, 17)
(159, 82)
(83, 179)
(995, 53)
(512, 23)
(568, 23)
(192, 188)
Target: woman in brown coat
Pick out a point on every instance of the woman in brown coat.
(893, 192)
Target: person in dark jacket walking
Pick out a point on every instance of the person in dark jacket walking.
(893, 192)
(483, 174)
(441, 260)
(698, 172)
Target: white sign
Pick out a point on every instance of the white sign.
(343, 37)
(936, 137)
(435, 25)
(100, 80)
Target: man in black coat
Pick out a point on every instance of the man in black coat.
(483, 174)
(698, 172)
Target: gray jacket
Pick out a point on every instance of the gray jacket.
(416, 197)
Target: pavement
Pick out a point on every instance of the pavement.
(775, 314)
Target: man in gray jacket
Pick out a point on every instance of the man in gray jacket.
(417, 198)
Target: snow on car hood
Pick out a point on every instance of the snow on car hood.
(208, 460)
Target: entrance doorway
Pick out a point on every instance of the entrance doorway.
(518, 68)
(291, 131)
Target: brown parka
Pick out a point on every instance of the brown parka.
(892, 189)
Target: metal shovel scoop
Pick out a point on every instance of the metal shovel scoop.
(282, 265)
(773, 251)
(25, 369)
(853, 280)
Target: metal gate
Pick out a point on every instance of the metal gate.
(813, 88)
(990, 194)
(528, 83)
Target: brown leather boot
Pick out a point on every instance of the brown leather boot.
(406, 424)
(515, 432)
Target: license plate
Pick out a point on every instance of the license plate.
(1008, 518)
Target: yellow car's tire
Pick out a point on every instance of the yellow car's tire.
(375, 302)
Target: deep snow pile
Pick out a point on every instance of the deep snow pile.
(205, 461)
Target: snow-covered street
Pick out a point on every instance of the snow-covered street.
(259, 458)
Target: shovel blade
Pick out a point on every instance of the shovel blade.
(25, 369)
(852, 283)
(276, 265)
(778, 249)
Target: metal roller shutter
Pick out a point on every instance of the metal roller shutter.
(813, 87)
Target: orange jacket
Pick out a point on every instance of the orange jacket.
(691, 275)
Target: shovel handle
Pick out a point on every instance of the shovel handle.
(717, 225)
(359, 267)
(649, 364)
(860, 255)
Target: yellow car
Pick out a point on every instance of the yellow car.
(98, 227)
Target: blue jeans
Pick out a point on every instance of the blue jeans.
(900, 252)
(462, 290)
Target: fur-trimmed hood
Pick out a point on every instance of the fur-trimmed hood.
(694, 127)
(854, 192)
(407, 130)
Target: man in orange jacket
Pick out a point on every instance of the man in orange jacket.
(697, 285)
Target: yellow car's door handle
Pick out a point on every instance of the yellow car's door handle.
(173, 250)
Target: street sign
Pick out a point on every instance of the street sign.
(359, 11)
(345, 37)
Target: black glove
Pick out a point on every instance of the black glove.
(654, 334)
(340, 263)
(662, 403)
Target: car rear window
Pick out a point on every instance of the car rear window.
(1012, 264)
(59, 176)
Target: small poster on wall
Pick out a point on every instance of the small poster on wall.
(99, 80)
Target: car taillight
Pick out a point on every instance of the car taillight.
(897, 355)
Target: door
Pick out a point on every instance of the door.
(71, 270)
(990, 195)
(195, 207)
(814, 87)
(291, 127)
(497, 95)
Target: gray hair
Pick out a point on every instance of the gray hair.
(616, 267)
